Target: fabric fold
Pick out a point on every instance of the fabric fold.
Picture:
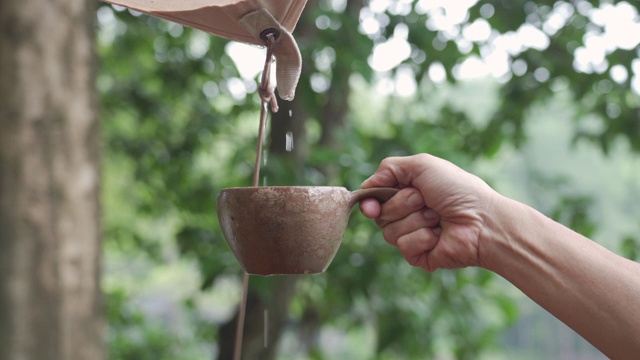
(286, 52)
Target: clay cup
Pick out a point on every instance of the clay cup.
(277, 230)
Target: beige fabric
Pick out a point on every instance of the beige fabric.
(219, 17)
(238, 20)
(286, 52)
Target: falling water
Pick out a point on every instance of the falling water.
(266, 328)
(289, 141)
(266, 99)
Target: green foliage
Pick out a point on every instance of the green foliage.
(631, 248)
(573, 212)
(175, 134)
(135, 336)
(163, 135)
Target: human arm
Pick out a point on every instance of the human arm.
(463, 222)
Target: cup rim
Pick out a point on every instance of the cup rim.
(282, 187)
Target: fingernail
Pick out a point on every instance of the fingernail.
(415, 199)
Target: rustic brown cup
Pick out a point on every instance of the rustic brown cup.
(277, 230)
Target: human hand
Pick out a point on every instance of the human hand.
(437, 219)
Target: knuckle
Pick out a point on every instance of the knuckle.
(390, 236)
(403, 244)
(409, 244)
(413, 260)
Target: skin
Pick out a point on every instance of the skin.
(446, 218)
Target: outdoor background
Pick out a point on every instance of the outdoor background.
(539, 98)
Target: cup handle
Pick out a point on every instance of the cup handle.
(381, 193)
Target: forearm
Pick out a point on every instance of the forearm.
(592, 290)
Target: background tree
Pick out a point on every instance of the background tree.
(50, 297)
(172, 148)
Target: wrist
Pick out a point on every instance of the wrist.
(502, 221)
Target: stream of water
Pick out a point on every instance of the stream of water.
(268, 97)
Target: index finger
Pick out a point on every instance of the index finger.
(397, 171)
(405, 202)
(384, 176)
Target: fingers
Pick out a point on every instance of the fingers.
(391, 173)
(405, 202)
(425, 218)
(455, 249)
(406, 222)
(400, 171)
(416, 246)
(426, 248)
(436, 218)
(370, 208)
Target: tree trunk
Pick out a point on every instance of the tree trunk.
(335, 111)
(50, 299)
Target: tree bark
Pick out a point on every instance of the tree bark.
(50, 299)
(334, 113)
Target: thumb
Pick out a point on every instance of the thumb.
(383, 177)
(388, 174)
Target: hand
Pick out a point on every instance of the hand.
(438, 217)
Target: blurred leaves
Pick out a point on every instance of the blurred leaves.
(631, 248)
(175, 134)
(133, 335)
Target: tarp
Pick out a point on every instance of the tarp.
(238, 20)
(219, 17)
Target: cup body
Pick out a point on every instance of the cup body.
(276, 230)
